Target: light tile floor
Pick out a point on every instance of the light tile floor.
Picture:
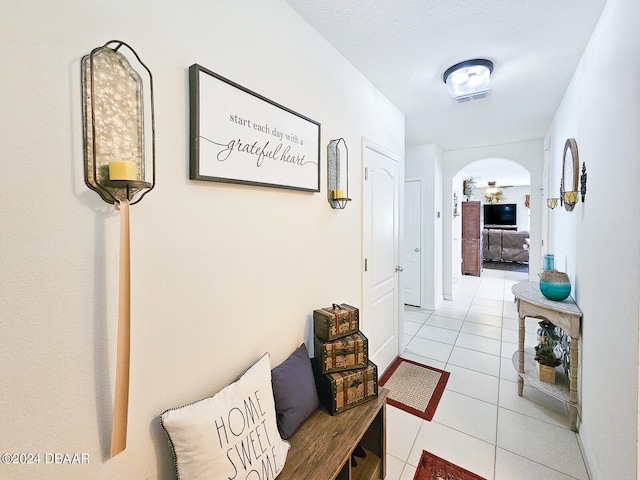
(481, 424)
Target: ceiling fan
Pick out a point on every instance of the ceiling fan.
(492, 186)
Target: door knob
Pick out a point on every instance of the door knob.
(399, 269)
(417, 249)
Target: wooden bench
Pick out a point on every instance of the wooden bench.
(322, 446)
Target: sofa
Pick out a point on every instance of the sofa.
(505, 245)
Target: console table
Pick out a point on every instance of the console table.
(567, 316)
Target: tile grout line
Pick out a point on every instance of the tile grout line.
(495, 443)
(460, 330)
(485, 288)
(495, 447)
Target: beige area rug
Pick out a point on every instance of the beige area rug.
(414, 388)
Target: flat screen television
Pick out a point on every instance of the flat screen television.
(501, 214)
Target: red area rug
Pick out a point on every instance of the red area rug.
(432, 467)
(413, 387)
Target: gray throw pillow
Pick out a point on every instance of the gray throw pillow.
(294, 391)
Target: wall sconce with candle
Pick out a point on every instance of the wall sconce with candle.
(119, 164)
(552, 202)
(114, 129)
(338, 173)
(570, 176)
(570, 199)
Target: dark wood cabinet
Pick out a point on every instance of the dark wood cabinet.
(471, 238)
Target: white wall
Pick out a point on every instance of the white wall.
(425, 163)
(598, 243)
(455, 261)
(220, 273)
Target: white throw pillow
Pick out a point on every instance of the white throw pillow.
(231, 435)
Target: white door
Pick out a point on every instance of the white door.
(381, 249)
(412, 251)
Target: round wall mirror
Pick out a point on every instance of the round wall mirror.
(570, 171)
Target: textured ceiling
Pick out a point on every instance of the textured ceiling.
(404, 46)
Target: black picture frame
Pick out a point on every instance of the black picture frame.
(239, 136)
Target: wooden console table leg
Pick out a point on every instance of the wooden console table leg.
(573, 384)
(521, 351)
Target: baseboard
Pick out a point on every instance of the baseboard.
(589, 460)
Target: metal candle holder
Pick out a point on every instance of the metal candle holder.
(337, 193)
(114, 130)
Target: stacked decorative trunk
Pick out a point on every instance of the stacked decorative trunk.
(344, 375)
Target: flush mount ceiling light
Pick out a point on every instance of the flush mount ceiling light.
(468, 80)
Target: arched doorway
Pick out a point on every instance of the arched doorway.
(528, 155)
(501, 190)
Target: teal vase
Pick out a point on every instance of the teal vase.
(555, 285)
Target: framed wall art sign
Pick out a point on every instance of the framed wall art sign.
(239, 136)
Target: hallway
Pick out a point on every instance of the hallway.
(481, 424)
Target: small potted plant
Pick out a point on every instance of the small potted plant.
(468, 186)
(547, 351)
